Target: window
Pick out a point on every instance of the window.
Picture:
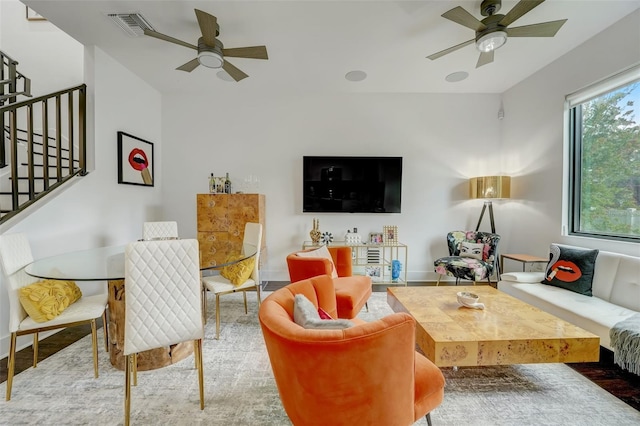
(604, 164)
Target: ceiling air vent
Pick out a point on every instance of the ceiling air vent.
(133, 24)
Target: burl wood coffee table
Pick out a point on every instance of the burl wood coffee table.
(507, 331)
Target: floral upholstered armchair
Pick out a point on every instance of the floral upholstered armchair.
(473, 255)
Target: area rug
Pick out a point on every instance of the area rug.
(240, 389)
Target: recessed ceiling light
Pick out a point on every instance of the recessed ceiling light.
(223, 75)
(457, 76)
(355, 75)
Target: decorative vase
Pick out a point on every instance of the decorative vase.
(315, 233)
(396, 267)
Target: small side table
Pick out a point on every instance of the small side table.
(523, 258)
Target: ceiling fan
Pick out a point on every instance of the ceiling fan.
(211, 52)
(492, 32)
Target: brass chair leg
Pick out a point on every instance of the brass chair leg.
(127, 389)
(204, 304)
(105, 330)
(217, 316)
(134, 365)
(198, 350)
(244, 296)
(258, 290)
(11, 364)
(94, 343)
(35, 349)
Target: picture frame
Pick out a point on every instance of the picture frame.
(375, 238)
(390, 234)
(32, 15)
(375, 272)
(135, 160)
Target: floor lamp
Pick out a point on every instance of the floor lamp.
(489, 187)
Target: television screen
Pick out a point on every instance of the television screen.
(352, 184)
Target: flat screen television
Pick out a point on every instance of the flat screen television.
(352, 184)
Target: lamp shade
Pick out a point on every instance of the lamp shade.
(490, 187)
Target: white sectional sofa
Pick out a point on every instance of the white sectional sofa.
(616, 294)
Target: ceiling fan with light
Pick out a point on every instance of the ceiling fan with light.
(211, 52)
(492, 32)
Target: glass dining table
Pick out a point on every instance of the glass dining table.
(107, 264)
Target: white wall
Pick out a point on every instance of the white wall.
(533, 138)
(96, 210)
(58, 63)
(444, 140)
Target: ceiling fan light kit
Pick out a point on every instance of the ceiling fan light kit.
(493, 31)
(492, 41)
(210, 57)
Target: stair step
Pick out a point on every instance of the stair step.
(51, 165)
(35, 178)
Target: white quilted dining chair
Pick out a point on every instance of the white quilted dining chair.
(163, 303)
(15, 254)
(159, 230)
(219, 285)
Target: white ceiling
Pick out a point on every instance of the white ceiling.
(313, 44)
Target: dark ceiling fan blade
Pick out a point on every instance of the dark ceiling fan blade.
(518, 10)
(252, 52)
(460, 16)
(234, 72)
(485, 58)
(208, 27)
(543, 29)
(451, 49)
(189, 66)
(169, 39)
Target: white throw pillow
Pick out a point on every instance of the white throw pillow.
(306, 315)
(522, 277)
(474, 250)
(322, 252)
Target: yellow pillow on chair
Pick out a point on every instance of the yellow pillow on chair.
(45, 300)
(239, 272)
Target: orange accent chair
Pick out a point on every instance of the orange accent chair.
(352, 291)
(368, 374)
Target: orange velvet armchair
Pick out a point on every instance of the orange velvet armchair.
(368, 374)
(352, 291)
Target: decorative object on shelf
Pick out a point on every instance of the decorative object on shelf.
(396, 267)
(375, 238)
(373, 255)
(351, 238)
(135, 160)
(212, 184)
(315, 233)
(327, 237)
(390, 234)
(489, 187)
(375, 272)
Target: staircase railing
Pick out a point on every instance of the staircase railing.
(50, 128)
(10, 79)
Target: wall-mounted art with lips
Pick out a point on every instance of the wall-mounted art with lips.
(571, 268)
(135, 160)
